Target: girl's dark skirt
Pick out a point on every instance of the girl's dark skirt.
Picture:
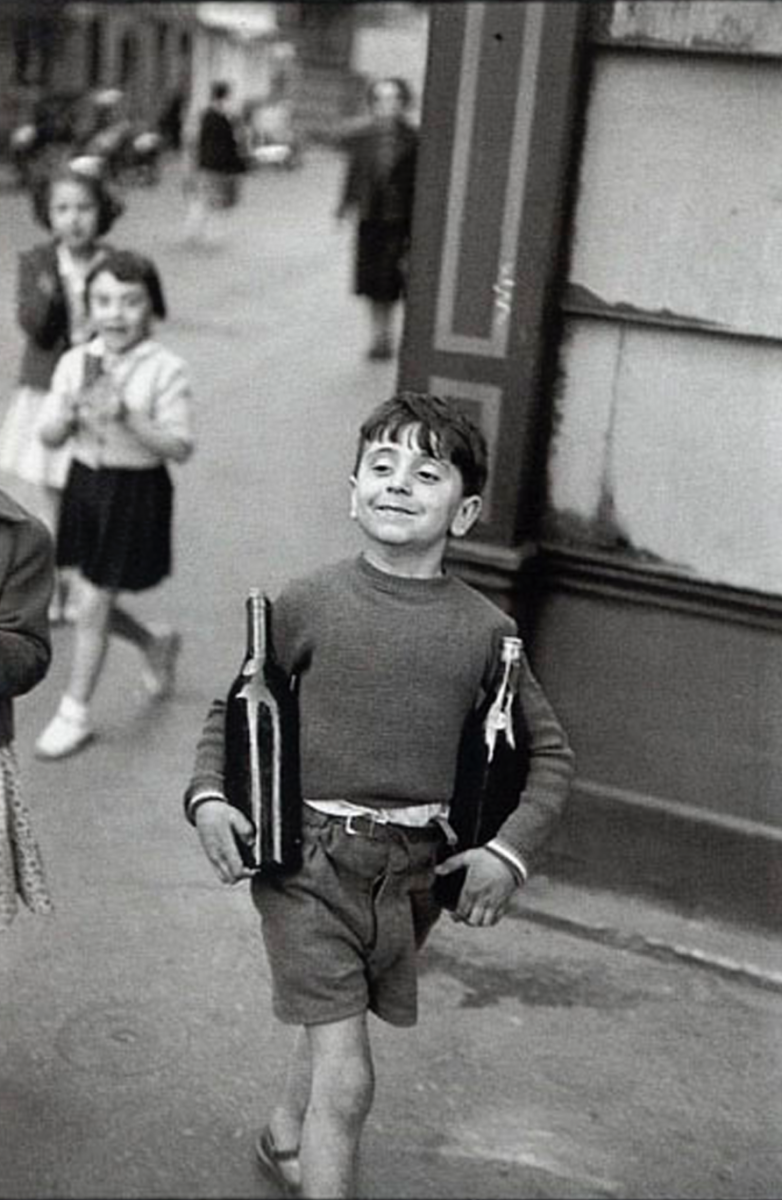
(115, 526)
(381, 249)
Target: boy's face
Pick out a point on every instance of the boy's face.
(407, 502)
(120, 312)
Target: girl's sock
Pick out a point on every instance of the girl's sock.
(74, 710)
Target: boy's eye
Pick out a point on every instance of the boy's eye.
(429, 474)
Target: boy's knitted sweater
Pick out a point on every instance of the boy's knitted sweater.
(389, 669)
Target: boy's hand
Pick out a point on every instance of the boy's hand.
(219, 825)
(487, 889)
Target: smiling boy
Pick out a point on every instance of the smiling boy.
(392, 653)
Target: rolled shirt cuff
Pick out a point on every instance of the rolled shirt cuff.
(510, 858)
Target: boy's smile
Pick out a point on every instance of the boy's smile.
(407, 503)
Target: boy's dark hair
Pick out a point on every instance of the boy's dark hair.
(445, 432)
(109, 206)
(129, 267)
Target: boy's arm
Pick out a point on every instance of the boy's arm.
(496, 870)
(551, 768)
(206, 807)
(206, 781)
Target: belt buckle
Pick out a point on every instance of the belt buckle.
(372, 822)
(349, 819)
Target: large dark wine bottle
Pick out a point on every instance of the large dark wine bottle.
(262, 748)
(492, 767)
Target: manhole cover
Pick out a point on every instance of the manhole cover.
(121, 1040)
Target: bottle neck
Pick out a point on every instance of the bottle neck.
(258, 627)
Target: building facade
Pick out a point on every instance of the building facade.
(67, 48)
(598, 281)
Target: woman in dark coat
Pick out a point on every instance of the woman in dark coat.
(378, 191)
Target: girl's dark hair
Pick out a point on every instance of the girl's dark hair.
(108, 205)
(401, 85)
(443, 432)
(129, 267)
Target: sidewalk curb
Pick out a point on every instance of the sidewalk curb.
(651, 947)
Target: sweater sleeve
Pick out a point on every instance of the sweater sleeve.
(208, 774)
(40, 301)
(25, 647)
(551, 768)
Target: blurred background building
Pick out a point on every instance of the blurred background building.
(321, 55)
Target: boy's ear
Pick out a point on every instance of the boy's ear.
(353, 497)
(466, 515)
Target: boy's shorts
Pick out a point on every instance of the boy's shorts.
(342, 933)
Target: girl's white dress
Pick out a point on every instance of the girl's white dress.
(22, 453)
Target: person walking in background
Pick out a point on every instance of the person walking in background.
(78, 210)
(26, 584)
(391, 655)
(123, 400)
(214, 186)
(378, 190)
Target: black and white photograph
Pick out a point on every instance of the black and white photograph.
(391, 600)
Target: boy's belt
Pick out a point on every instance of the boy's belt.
(356, 824)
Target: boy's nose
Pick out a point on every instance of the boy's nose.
(399, 481)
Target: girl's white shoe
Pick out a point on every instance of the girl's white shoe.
(69, 730)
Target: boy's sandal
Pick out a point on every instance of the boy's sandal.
(269, 1159)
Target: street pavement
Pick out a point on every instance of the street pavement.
(590, 1045)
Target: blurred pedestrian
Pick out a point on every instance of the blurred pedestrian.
(123, 400)
(26, 583)
(214, 185)
(378, 190)
(77, 209)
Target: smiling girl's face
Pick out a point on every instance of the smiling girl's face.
(121, 312)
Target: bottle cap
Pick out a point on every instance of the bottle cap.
(510, 651)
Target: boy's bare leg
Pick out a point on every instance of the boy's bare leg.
(288, 1117)
(341, 1095)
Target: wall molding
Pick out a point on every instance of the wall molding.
(724, 822)
(578, 301)
(492, 569)
(613, 576)
(446, 339)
